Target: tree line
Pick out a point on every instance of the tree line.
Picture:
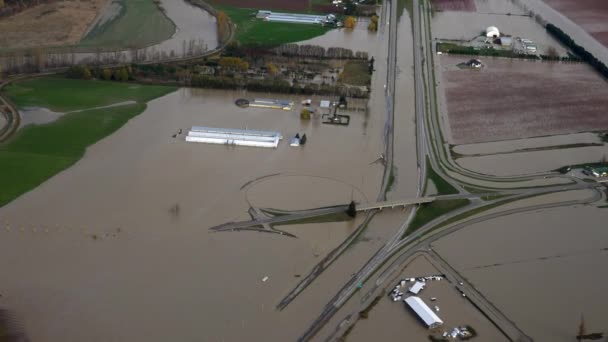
(577, 49)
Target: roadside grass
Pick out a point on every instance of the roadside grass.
(255, 32)
(38, 152)
(140, 23)
(430, 211)
(355, 73)
(61, 94)
(443, 187)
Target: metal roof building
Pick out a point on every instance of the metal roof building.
(424, 312)
(238, 137)
(417, 287)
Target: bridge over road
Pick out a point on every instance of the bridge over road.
(411, 201)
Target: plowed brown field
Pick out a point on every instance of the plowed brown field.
(454, 5)
(591, 15)
(511, 99)
(288, 5)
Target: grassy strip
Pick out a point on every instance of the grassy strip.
(61, 94)
(443, 187)
(256, 32)
(430, 211)
(140, 23)
(38, 152)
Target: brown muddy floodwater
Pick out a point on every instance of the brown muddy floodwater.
(394, 321)
(357, 39)
(94, 254)
(507, 16)
(532, 162)
(543, 269)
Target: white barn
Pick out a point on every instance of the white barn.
(424, 312)
(492, 32)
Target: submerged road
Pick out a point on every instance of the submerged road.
(403, 248)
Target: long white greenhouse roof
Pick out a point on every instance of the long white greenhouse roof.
(238, 137)
(423, 311)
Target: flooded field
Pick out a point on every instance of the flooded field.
(112, 243)
(519, 145)
(394, 321)
(37, 115)
(591, 15)
(196, 32)
(451, 5)
(357, 39)
(510, 19)
(513, 99)
(528, 263)
(532, 162)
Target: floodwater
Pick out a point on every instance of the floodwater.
(521, 163)
(577, 33)
(543, 269)
(196, 32)
(94, 253)
(394, 321)
(357, 39)
(404, 157)
(37, 115)
(468, 25)
(507, 146)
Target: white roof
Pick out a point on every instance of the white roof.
(417, 287)
(492, 31)
(423, 311)
(325, 104)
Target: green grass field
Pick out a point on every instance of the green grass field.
(140, 23)
(62, 94)
(252, 31)
(38, 152)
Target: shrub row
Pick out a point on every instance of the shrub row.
(577, 49)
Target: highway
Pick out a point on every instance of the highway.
(402, 249)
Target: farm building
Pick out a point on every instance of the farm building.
(506, 41)
(424, 312)
(296, 18)
(238, 137)
(418, 286)
(492, 32)
(272, 103)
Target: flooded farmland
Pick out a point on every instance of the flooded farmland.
(542, 268)
(510, 18)
(590, 15)
(531, 99)
(394, 321)
(520, 163)
(103, 238)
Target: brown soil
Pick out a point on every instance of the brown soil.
(454, 5)
(510, 99)
(59, 23)
(591, 15)
(291, 5)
